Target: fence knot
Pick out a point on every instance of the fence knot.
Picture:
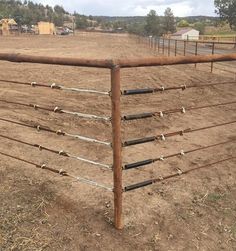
(43, 166)
(33, 84)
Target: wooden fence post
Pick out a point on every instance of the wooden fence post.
(213, 52)
(168, 47)
(196, 52)
(185, 43)
(176, 47)
(117, 146)
(163, 46)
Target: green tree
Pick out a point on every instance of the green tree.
(152, 26)
(200, 26)
(169, 21)
(81, 22)
(183, 23)
(227, 11)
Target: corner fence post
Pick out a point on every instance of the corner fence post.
(117, 146)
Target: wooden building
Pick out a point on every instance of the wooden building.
(8, 27)
(46, 28)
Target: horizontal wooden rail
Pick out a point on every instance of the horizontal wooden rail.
(21, 58)
(159, 61)
(123, 63)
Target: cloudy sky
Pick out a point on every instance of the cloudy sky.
(135, 7)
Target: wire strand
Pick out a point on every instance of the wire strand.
(168, 135)
(179, 173)
(58, 110)
(182, 110)
(162, 88)
(61, 152)
(60, 172)
(57, 132)
(181, 153)
(55, 87)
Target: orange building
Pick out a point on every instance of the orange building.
(46, 28)
(8, 26)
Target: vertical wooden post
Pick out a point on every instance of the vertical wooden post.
(185, 42)
(163, 46)
(117, 146)
(196, 52)
(176, 47)
(168, 47)
(158, 44)
(213, 52)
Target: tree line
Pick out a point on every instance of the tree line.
(30, 13)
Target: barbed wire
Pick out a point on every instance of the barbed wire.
(182, 153)
(61, 152)
(162, 88)
(56, 109)
(57, 132)
(179, 173)
(182, 110)
(168, 135)
(60, 172)
(55, 87)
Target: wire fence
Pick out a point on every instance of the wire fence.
(202, 45)
(117, 119)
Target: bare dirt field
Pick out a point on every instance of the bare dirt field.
(43, 211)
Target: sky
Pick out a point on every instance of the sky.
(180, 8)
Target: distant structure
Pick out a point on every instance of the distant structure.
(186, 34)
(46, 28)
(8, 27)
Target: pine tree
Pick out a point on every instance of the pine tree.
(169, 21)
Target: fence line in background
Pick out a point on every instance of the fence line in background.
(181, 46)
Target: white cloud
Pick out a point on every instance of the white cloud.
(135, 7)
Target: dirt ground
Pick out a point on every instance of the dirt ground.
(43, 211)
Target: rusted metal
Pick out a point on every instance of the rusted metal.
(196, 52)
(181, 153)
(44, 167)
(171, 111)
(123, 63)
(162, 89)
(58, 152)
(160, 179)
(57, 132)
(57, 171)
(168, 135)
(185, 46)
(206, 42)
(117, 146)
(213, 52)
(20, 58)
(158, 61)
(176, 45)
(163, 46)
(55, 87)
(169, 47)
